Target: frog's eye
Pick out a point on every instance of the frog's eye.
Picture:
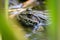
(30, 21)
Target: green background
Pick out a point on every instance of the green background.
(7, 33)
